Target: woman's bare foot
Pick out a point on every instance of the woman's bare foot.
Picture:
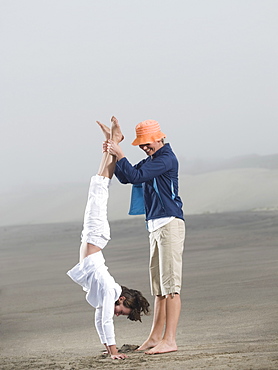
(106, 130)
(162, 347)
(147, 345)
(116, 133)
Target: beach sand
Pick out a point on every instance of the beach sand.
(229, 316)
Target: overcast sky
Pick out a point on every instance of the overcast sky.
(205, 69)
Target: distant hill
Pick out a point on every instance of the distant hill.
(230, 190)
(239, 184)
(249, 161)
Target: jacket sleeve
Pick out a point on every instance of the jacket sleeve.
(120, 172)
(120, 175)
(144, 171)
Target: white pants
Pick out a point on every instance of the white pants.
(96, 228)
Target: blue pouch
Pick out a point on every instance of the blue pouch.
(137, 206)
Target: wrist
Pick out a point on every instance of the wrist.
(113, 349)
(119, 157)
(107, 348)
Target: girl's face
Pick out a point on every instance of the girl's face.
(120, 309)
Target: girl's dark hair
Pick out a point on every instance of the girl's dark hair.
(136, 302)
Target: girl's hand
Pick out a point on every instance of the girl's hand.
(104, 147)
(119, 356)
(115, 355)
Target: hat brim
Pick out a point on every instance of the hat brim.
(148, 138)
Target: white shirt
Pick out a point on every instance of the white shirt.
(155, 224)
(102, 293)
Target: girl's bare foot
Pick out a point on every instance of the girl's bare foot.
(106, 130)
(116, 133)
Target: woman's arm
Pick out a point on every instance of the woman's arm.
(144, 171)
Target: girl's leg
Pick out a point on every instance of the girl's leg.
(108, 162)
(96, 209)
(107, 134)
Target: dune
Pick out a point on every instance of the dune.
(237, 189)
(230, 190)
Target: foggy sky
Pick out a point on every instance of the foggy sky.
(206, 70)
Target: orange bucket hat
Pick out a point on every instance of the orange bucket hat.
(147, 132)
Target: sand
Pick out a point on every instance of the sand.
(229, 297)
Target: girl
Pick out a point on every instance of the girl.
(103, 293)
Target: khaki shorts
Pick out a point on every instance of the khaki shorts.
(166, 249)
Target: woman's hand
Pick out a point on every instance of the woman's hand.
(114, 149)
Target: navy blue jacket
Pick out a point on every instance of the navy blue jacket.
(159, 176)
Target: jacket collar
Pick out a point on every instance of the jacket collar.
(164, 149)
